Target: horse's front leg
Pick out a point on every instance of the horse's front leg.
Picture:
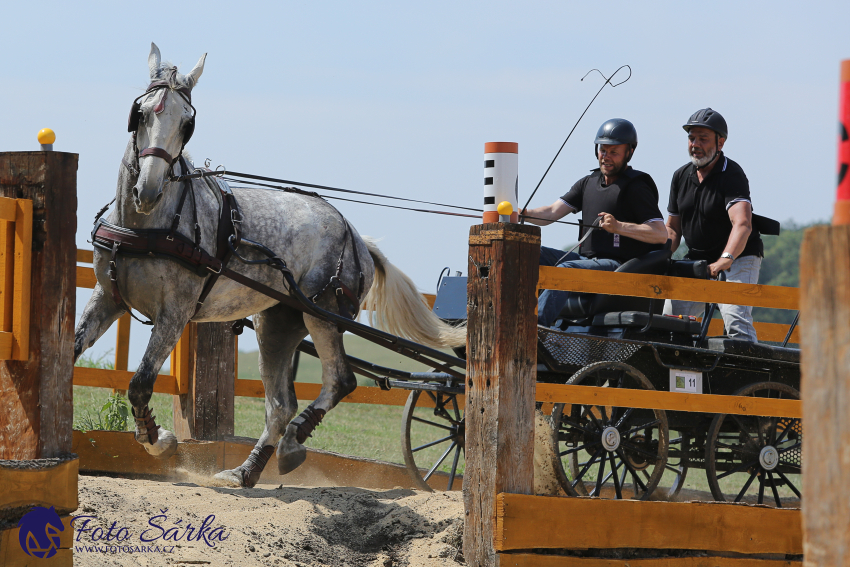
(166, 332)
(337, 382)
(100, 312)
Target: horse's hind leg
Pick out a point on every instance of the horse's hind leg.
(99, 314)
(337, 382)
(279, 331)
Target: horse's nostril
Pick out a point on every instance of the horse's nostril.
(158, 197)
(136, 194)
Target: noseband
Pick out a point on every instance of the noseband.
(135, 115)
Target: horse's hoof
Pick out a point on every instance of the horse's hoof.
(290, 453)
(232, 477)
(165, 446)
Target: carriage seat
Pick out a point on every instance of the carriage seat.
(755, 350)
(581, 306)
(639, 319)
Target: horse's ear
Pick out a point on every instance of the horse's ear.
(195, 73)
(154, 59)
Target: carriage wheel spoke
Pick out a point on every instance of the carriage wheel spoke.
(576, 426)
(439, 462)
(741, 426)
(599, 482)
(762, 442)
(788, 482)
(595, 421)
(440, 425)
(739, 468)
(761, 490)
(635, 477)
(456, 408)
(617, 488)
(639, 450)
(746, 486)
(624, 417)
(788, 428)
(587, 466)
(432, 443)
(577, 449)
(672, 469)
(454, 469)
(640, 427)
(773, 488)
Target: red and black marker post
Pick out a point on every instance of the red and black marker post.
(842, 198)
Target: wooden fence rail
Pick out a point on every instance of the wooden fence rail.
(177, 382)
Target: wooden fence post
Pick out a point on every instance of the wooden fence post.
(206, 411)
(36, 395)
(825, 312)
(501, 374)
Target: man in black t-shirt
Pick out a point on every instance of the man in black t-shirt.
(620, 216)
(710, 206)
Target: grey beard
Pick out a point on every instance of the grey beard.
(703, 161)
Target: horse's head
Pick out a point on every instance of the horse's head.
(162, 120)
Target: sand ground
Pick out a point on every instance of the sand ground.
(274, 525)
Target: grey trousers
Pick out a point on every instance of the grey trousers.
(738, 319)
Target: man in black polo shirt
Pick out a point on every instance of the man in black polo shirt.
(620, 201)
(710, 206)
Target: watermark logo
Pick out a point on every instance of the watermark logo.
(39, 535)
(161, 535)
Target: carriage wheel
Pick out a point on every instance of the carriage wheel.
(432, 437)
(680, 470)
(606, 451)
(748, 456)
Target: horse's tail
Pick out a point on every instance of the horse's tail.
(396, 306)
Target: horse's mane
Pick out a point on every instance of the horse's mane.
(168, 72)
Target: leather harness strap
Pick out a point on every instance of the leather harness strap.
(171, 243)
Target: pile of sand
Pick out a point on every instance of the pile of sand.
(272, 525)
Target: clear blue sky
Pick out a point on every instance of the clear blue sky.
(399, 98)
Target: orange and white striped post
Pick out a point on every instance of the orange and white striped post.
(501, 181)
(842, 198)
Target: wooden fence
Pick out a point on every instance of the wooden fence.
(506, 522)
(15, 276)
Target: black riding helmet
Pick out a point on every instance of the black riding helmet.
(708, 118)
(616, 131)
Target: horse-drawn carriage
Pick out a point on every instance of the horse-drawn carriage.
(623, 452)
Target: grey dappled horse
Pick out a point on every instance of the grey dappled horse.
(305, 231)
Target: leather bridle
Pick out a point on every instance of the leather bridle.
(135, 116)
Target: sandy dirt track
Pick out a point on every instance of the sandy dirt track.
(273, 525)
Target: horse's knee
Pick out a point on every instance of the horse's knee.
(347, 385)
(139, 392)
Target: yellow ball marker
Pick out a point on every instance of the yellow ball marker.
(46, 137)
(505, 210)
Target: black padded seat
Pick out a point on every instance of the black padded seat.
(639, 319)
(697, 269)
(756, 350)
(583, 305)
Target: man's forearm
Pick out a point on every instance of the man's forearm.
(738, 239)
(652, 233)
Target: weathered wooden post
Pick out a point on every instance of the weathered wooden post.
(206, 411)
(37, 307)
(36, 404)
(501, 375)
(825, 342)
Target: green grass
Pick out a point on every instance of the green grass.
(364, 430)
